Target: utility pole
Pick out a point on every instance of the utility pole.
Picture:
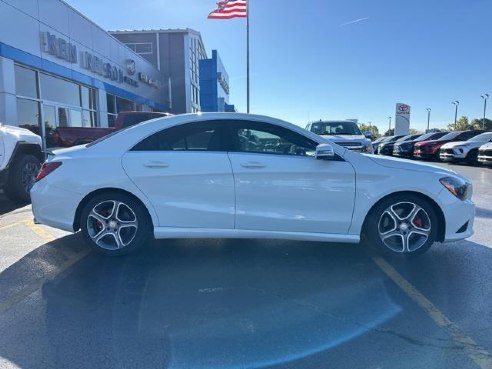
(484, 97)
(456, 103)
(428, 119)
(389, 124)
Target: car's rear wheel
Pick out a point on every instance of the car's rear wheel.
(115, 224)
(403, 225)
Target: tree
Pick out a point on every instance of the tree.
(478, 124)
(414, 131)
(390, 132)
(462, 124)
(370, 128)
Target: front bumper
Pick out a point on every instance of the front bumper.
(485, 159)
(459, 216)
(452, 155)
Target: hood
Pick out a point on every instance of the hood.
(451, 145)
(487, 146)
(17, 134)
(424, 143)
(349, 138)
(396, 163)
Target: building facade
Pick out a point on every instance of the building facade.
(57, 68)
(214, 85)
(177, 54)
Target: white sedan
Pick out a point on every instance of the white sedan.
(231, 175)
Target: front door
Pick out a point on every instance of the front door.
(280, 186)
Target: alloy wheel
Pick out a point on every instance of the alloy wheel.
(404, 227)
(112, 224)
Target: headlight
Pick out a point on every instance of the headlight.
(458, 187)
(368, 148)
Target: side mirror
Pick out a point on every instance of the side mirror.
(324, 152)
(368, 135)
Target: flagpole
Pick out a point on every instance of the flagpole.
(247, 56)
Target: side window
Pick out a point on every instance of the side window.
(199, 136)
(270, 139)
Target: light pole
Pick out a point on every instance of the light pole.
(428, 119)
(389, 124)
(484, 97)
(456, 104)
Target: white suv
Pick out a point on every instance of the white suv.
(344, 133)
(20, 159)
(464, 150)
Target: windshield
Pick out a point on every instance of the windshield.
(484, 137)
(450, 136)
(430, 136)
(335, 128)
(405, 138)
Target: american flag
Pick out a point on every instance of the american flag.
(227, 9)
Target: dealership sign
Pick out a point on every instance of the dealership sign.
(67, 51)
(58, 47)
(402, 119)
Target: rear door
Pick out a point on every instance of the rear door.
(186, 175)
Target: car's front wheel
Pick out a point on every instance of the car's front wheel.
(402, 225)
(115, 224)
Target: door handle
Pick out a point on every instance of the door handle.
(156, 164)
(253, 164)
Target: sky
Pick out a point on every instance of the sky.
(337, 59)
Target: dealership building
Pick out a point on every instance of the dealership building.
(59, 69)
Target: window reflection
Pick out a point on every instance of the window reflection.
(25, 82)
(59, 90)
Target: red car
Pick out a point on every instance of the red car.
(430, 149)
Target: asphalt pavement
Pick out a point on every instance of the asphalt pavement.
(243, 303)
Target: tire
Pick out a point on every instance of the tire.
(403, 225)
(472, 157)
(21, 178)
(115, 224)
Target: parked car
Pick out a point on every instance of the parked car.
(345, 133)
(386, 148)
(464, 150)
(20, 159)
(231, 175)
(405, 149)
(390, 139)
(73, 136)
(485, 154)
(376, 143)
(430, 149)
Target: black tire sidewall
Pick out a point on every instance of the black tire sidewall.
(371, 225)
(14, 188)
(144, 223)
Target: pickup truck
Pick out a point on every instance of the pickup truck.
(20, 159)
(72, 136)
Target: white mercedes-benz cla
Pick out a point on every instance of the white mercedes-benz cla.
(231, 175)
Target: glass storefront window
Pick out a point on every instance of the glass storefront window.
(124, 105)
(111, 120)
(111, 103)
(25, 82)
(28, 115)
(59, 90)
(75, 118)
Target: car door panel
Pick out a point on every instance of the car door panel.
(292, 193)
(186, 188)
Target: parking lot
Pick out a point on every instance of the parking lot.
(244, 303)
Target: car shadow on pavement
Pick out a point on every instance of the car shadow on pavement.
(7, 206)
(202, 303)
(483, 213)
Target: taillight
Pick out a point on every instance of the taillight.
(47, 168)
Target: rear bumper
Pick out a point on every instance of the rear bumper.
(56, 207)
